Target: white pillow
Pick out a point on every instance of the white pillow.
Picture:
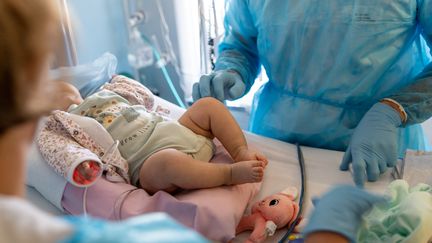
(43, 178)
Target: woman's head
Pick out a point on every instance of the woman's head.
(28, 31)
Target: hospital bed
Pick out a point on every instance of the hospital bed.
(322, 166)
(322, 171)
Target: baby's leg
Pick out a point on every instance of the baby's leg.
(210, 118)
(170, 169)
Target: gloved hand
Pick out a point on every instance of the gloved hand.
(374, 144)
(222, 85)
(341, 210)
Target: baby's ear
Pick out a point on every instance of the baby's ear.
(291, 192)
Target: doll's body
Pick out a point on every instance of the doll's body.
(271, 213)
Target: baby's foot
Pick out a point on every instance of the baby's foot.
(246, 172)
(246, 154)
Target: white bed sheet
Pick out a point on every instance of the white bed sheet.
(322, 171)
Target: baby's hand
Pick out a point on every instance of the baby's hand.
(67, 95)
(86, 172)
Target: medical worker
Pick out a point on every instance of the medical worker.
(336, 70)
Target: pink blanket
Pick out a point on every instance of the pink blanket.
(213, 212)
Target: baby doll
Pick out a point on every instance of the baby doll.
(271, 213)
(163, 154)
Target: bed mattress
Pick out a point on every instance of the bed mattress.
(322, 171)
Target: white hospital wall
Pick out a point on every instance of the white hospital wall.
(427, 127)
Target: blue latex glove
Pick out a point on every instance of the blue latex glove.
(222, 85)
(374, 144)
(340, 211)
(155, 227)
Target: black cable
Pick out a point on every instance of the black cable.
(302, 191)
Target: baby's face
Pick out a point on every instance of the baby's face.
(69, 95)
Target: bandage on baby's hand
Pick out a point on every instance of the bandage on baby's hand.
(86, 173)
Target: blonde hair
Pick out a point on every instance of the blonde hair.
(27, 38)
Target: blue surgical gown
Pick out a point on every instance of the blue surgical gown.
(328, 62)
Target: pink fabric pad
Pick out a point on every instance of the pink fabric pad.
(213, 212)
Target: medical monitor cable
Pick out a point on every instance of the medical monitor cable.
(107, 153)
(302, 192)
(85, 202)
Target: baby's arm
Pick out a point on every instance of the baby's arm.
(61, 152)
(67, 95)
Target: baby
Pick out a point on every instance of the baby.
(169, 155)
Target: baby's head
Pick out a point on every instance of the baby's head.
(68, 95)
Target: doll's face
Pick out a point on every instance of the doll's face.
(279, 208)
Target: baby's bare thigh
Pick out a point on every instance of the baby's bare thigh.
(157, 171)
(198, 117)
(187, 120)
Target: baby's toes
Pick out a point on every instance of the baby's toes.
(257, 164)
(261, 157)
(258, 173)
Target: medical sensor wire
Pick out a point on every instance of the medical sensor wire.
(302, 192)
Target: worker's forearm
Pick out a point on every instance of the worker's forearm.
(397, 107)
(416, 98)
(324, 237)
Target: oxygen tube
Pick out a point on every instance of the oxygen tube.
(161, 64)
